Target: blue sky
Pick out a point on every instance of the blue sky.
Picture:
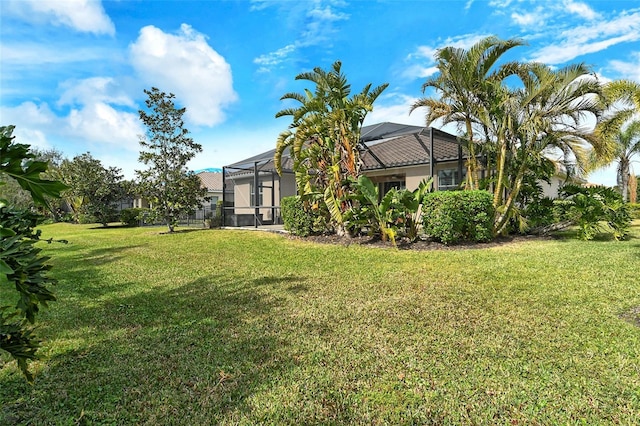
(72, 73)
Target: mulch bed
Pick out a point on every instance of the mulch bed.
(419, 245)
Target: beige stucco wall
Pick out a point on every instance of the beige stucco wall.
(282, 187)
(413, 175)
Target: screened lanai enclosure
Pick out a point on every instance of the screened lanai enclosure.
(392, 155)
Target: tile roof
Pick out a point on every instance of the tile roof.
(384, 145)
(211, 180)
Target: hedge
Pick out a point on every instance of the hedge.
(297, 220)
(453, 216)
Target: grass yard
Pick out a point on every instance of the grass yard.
(241, 328)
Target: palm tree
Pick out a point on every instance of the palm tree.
(627, 147)
(547, 115)
(620, 128)
(324, 135)
(465, 84)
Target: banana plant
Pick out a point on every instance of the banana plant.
(410, 202)
(382, 210)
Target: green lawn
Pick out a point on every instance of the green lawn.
(239, 327)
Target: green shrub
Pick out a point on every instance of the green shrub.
(453, 216)
(214, 219)
(132, 216)
(540, 213)
(86, 218)
(634, 210)
(594, 210)
(301, 220)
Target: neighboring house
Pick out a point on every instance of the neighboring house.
(212, 181)
(392, 155)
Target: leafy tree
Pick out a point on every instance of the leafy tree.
(21, 199)
(21, 264)
(323, 137)
(166, 148)
(93, 188)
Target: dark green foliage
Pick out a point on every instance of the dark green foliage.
(454, 216)
(132, 216)
(166, 150)
(93, 189)
(214, 218)
(302, 220)
(21, 265)
(595, 210)
(540, 213)
(634, 210)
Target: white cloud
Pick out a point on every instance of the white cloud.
(581, 9)
(425, 55)
(94, 90)
(525, 19)
(317, 21)
(101, 123)
(271, 59)
(394, 108)
(81, 15)
(627, 70)
(592, 38)
(185, 64)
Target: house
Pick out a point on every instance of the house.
(392, 155)
(212, 181)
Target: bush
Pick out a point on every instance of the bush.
(214, 219)
(453, 216)
(131, 217)
(300, 220)
(85, 219)
(634, 210)
(540, 213)
(594, 210)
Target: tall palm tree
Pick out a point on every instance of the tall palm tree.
(620, 127)
(548, 115)
(626, 148)
(324, 135)
(464, 85)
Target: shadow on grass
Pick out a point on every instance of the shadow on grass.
(191, 354)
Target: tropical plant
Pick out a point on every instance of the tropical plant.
(170, 186)
(595, 210)
(21, 264)
(379, 210)
(465, 86)
(627, 147)
(410, 203)
(545, 117)
(323, 138)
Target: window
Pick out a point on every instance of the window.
(214, 202)
(386, 186)
(448, 179)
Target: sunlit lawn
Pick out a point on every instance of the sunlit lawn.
(240, 327)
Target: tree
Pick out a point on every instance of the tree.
(93, 188)
(546, 117)
(21, 264)
(166, 148)
(21, 199)
(324, 137)
(465, 85)
(621, 129)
